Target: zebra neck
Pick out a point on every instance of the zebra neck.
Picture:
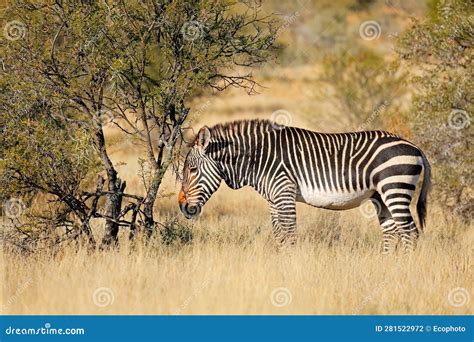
(236, 161)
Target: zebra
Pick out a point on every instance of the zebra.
(285, 165)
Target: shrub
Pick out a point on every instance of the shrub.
(175, 232)
(441, 50)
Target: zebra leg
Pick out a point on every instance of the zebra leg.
(391, 236)
(408, 233)
(283, 213)
(400, 211)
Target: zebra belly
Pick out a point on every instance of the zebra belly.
(333, 200)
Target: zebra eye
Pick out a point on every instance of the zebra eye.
(192, 168)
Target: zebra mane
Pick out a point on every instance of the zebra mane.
(219, 130)
(239, 125)
(222, 130)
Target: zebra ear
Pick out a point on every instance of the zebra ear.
(204, 137)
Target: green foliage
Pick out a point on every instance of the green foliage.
(441, 49)
(70, 68)
(191, 45)
(64, 53)
(39, 151)
(43, 164)
(364, 85)
(174, 232)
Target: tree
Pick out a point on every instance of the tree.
(64, 57)
(42, 157)
(181, 47)
(134, 64)
(441, 49)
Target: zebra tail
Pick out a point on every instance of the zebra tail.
(421, 205)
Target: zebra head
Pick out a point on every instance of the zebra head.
(201, 176)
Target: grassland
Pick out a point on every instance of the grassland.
(232, 267)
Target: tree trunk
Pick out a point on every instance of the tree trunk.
(150, 199)
(113, 207)
(113, 201)
(160, 164)
(79, 208)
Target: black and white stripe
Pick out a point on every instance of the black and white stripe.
(333, 171)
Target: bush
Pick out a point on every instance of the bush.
(441, 50)
(175, 232)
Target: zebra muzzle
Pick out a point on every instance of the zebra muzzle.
(190, 211)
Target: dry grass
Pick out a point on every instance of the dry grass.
(232, 267)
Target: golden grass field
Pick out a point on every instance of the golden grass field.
(231, 266)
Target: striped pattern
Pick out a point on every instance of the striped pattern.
(288, 164)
